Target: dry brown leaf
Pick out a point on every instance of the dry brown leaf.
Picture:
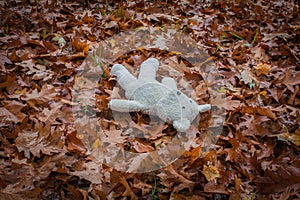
(248, 77)
(39, 141)
(291, 79)
(141, 147)
(289, 137)
(176, 196)
(11, 111)
(262, 68)
(128, 191)
(264, 111)
(211, 172)
(184, 183)
(79, 45)
(194, 153)
(42, 98)
(144, 187)
(90, 171)
(75, 144)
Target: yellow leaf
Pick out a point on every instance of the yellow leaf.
(263, 93)
(222, 89)
(290, 137)
(23, 91)
(112, 42)
(211, 172)
(97, 144)
(171, 53)
(262, 68)
(294, 139)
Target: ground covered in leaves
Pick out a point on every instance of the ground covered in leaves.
(255, 48)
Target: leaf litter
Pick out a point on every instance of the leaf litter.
(255, 46)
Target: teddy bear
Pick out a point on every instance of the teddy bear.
(161, 99)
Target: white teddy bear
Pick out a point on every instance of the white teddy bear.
(150, 96)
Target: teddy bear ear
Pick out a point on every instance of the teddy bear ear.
(204, 107)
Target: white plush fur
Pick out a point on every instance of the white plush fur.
(161, 99)
(149, 69)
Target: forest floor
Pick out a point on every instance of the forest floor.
(52, 149)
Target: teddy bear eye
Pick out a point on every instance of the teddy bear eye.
(178, 93)
(183, 107)
(191, 101)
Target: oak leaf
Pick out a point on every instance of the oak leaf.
(262, 68)
(40, 98)
(11, 111)
(211, 172)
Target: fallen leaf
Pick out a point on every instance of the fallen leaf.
(194, 153)
(291, 79)
(60, 40)
(80, 46)
(128, 191)
(11, 111)
(211, 172)
(89, 171)
(262, 68)
(4, 60)
(42, 98)
(39, 141)
(289, 137)
(248, 77)
(141, 147)
(75, 144)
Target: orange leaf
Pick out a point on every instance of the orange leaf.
(74, 143)
(194, 153)
(262, 68)
(80, 46)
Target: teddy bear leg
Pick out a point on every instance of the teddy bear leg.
(169, 82)
(122, 105)
(148, 69)
(181, 125)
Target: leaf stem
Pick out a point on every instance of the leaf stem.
(255, 36)
(235, 35)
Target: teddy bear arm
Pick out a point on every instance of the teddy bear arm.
(124, 78)
(122, 105)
